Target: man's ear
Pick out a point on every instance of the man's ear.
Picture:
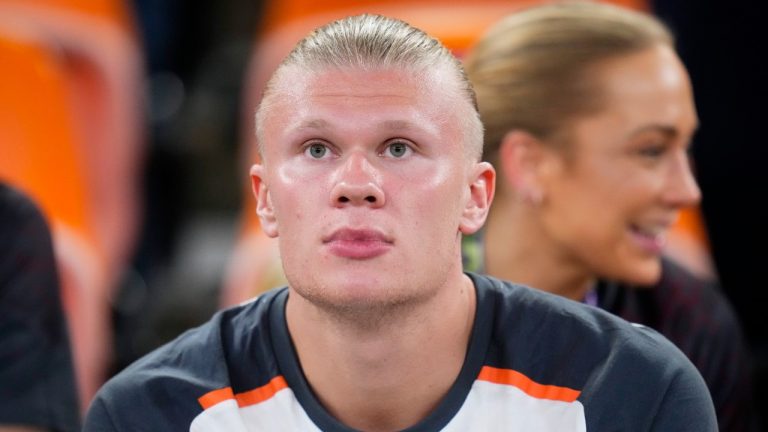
(523, 159)
(481, 190)
(264, 208)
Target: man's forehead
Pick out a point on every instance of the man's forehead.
(297, 94)
(437, 86)
(299, 82)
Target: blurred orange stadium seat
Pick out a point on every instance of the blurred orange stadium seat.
(102, 63)
(688, 244)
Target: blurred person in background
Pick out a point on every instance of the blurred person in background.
(37, 383)
(589, 114)
(195, 54)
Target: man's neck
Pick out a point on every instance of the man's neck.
(516, 250)
(389, 376)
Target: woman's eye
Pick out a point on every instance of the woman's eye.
(653, 151)
(398, 149)
(317, 151)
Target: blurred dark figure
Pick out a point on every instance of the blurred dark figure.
(721, 43)
(196, 53)
(37, 385)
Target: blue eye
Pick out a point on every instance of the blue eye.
(398, 149)
(317, 151)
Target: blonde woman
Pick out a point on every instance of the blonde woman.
(589, 115)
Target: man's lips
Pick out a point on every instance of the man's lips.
(358, 243)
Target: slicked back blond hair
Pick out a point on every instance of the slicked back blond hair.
(374, 42)
(532, 70)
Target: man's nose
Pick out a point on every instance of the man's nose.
(357, 182)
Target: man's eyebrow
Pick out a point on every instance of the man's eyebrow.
(397, 125)
(314, 124)
(385, 125)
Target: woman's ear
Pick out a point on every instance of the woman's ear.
(481, 189)
(264, 208)
(523, 159)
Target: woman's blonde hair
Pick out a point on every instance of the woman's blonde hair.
(531, 71)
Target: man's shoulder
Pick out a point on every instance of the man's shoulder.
(197, 362)
(529, 305)
(613, 364)
(565, 328)
(191, 354)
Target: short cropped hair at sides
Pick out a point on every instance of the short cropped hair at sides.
(374, 42)
(531, 71)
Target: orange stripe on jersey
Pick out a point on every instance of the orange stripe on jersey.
(530, 387)
(262, 393)
(212, 398)
(251, 397)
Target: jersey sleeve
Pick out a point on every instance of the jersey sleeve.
(686, 405)
(98, 418)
